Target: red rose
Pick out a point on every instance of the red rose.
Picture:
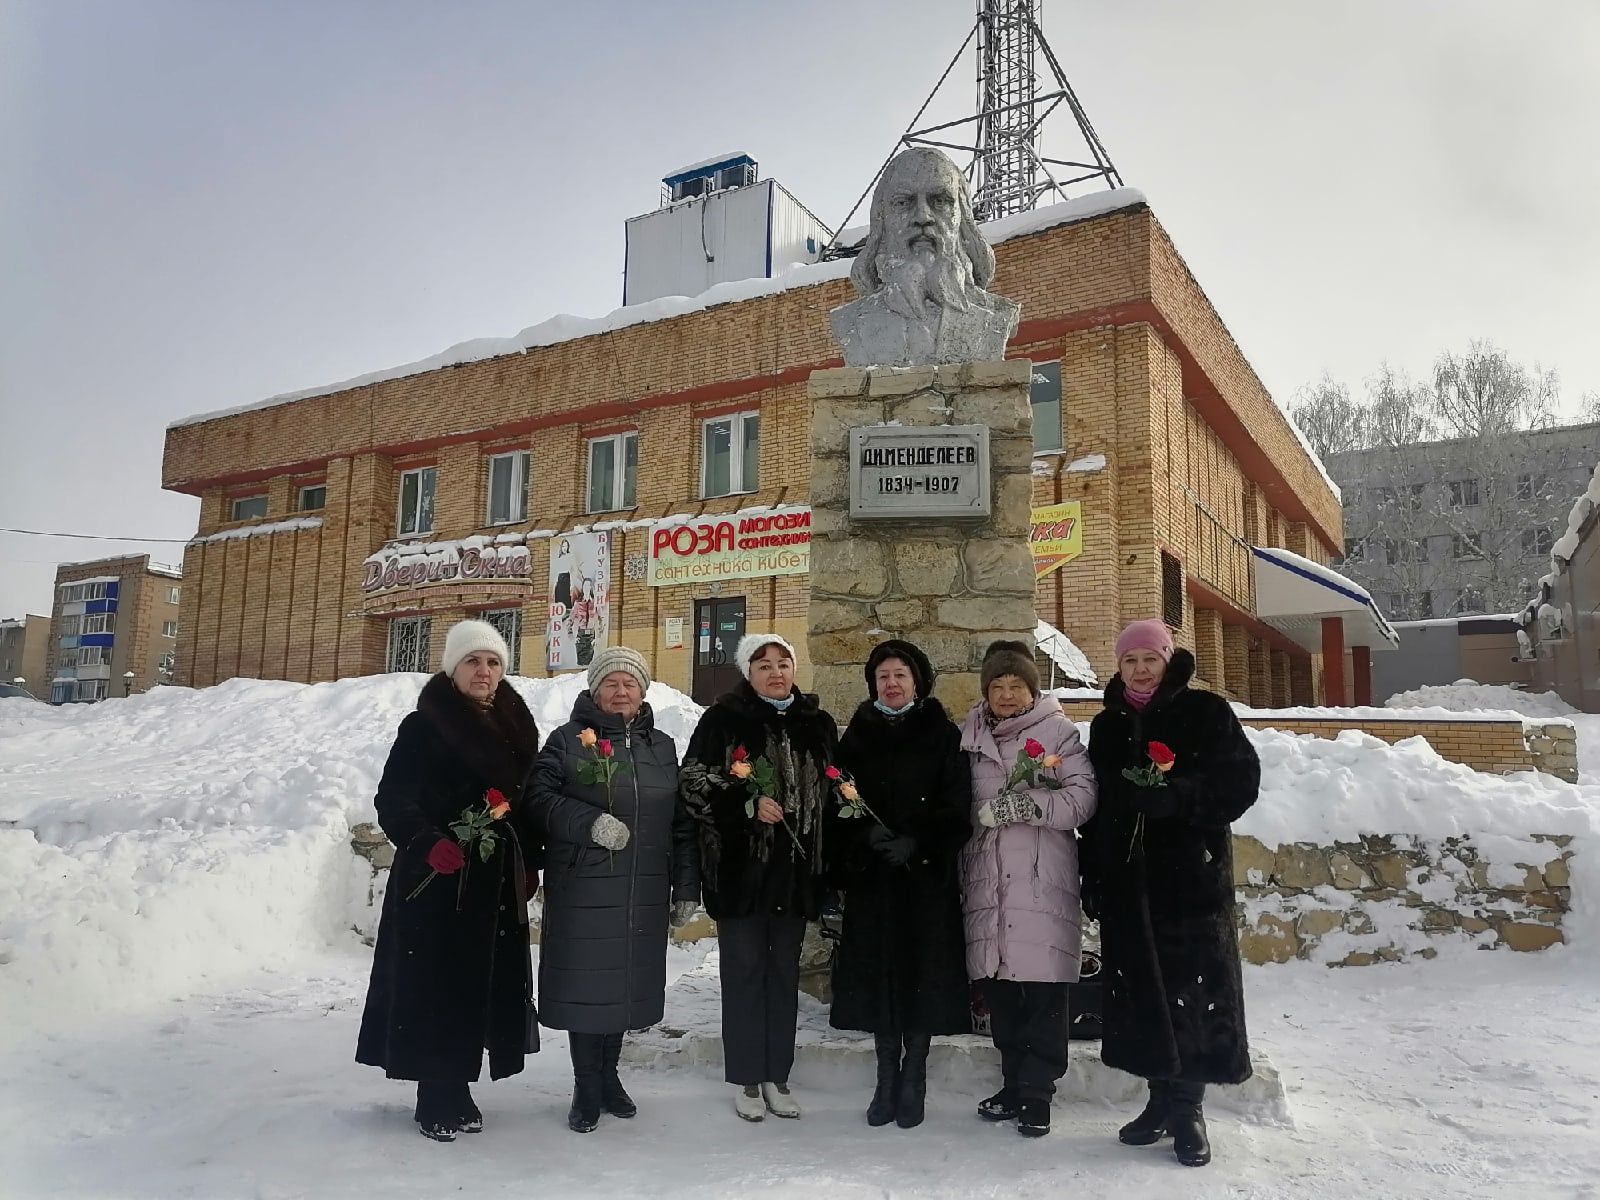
(832, 772)
(1033, 749)
(494, 797)
(603, 747)
(1161, 754)
(740, 754)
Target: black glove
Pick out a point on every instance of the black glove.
(1156, 801)
(896, 850)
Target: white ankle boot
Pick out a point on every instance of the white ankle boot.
(780, 1101)
(748, 1104)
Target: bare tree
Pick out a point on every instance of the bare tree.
(1482, 393)
(1399, 411)
(1331, 421)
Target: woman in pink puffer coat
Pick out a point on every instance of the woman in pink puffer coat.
(1019, 879)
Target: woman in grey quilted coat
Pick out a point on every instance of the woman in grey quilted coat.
(619, 863)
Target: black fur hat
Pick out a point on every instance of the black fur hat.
(922, 672)
(1009, 658)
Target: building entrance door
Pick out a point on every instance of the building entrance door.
(718, 626)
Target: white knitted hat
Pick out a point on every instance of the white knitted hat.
(466, 636)
(751, 644)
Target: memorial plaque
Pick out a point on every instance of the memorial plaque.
(905, 473)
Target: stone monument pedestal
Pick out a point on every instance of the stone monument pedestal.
(951, 585)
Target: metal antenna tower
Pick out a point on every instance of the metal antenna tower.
(1006, 172)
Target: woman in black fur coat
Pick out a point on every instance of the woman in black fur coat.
(1158, 872)
(900, 972)
(764, 859)
(451, 973)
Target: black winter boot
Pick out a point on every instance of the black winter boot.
(468, 1118)
(435, 1116)
(613, 1097)
(885, 1097)
(588, 1064)
(913, 1082)
(1033, 1116)
(1002, 1106)
(1151, 1125)
(1188, 1124)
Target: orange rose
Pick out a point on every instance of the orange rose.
(587, 738)
(500, 810)
(741, 770)
(848, 791)
(1052, 760)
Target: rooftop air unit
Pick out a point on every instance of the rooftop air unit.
(718, 222)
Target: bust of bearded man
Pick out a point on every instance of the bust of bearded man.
(921, 274)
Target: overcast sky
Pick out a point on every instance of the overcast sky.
(207, 203)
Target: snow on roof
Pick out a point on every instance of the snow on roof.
(91, 579)
(1316, 459)
(565, 328)
(1058, 647)
(163, 569)
(717, 160)
(250, 531)
(1088, 464)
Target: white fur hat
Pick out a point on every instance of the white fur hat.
(751, 645)
(466, 636)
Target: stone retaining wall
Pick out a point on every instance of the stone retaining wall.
(1385, 899)
(1379, 899)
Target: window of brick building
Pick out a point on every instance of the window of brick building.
(1463, 493)
(99, 623)
(172, 595)
(312, 498)
(169, 629)
(1171, 591)
(249, 508)
(613, 472)
(94, 656)
(409, 639)
(508, 488)
(1354, 549)
(730, 455)
(416, 501)
(1537, 542)
(509, 622)
(1045, 397)
(1469, 600)
(1466, 545)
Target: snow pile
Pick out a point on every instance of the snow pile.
(170, 841)
(1319, 790)
(1466, 695)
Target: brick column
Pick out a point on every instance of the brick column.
(1361, 662)
(1302, 680)
(1333, 661)
(1282, 678)
(1259, 694)
(1208, 652)
(1236, 660)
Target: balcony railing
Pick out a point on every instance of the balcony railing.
(1221, 559)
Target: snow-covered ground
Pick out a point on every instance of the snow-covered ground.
(179, 993)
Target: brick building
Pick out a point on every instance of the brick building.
(343, 529)
(23, 650)
(112, 618)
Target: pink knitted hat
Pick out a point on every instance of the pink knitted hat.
(1146, 635)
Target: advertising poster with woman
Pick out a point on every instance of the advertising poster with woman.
(580, 600)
